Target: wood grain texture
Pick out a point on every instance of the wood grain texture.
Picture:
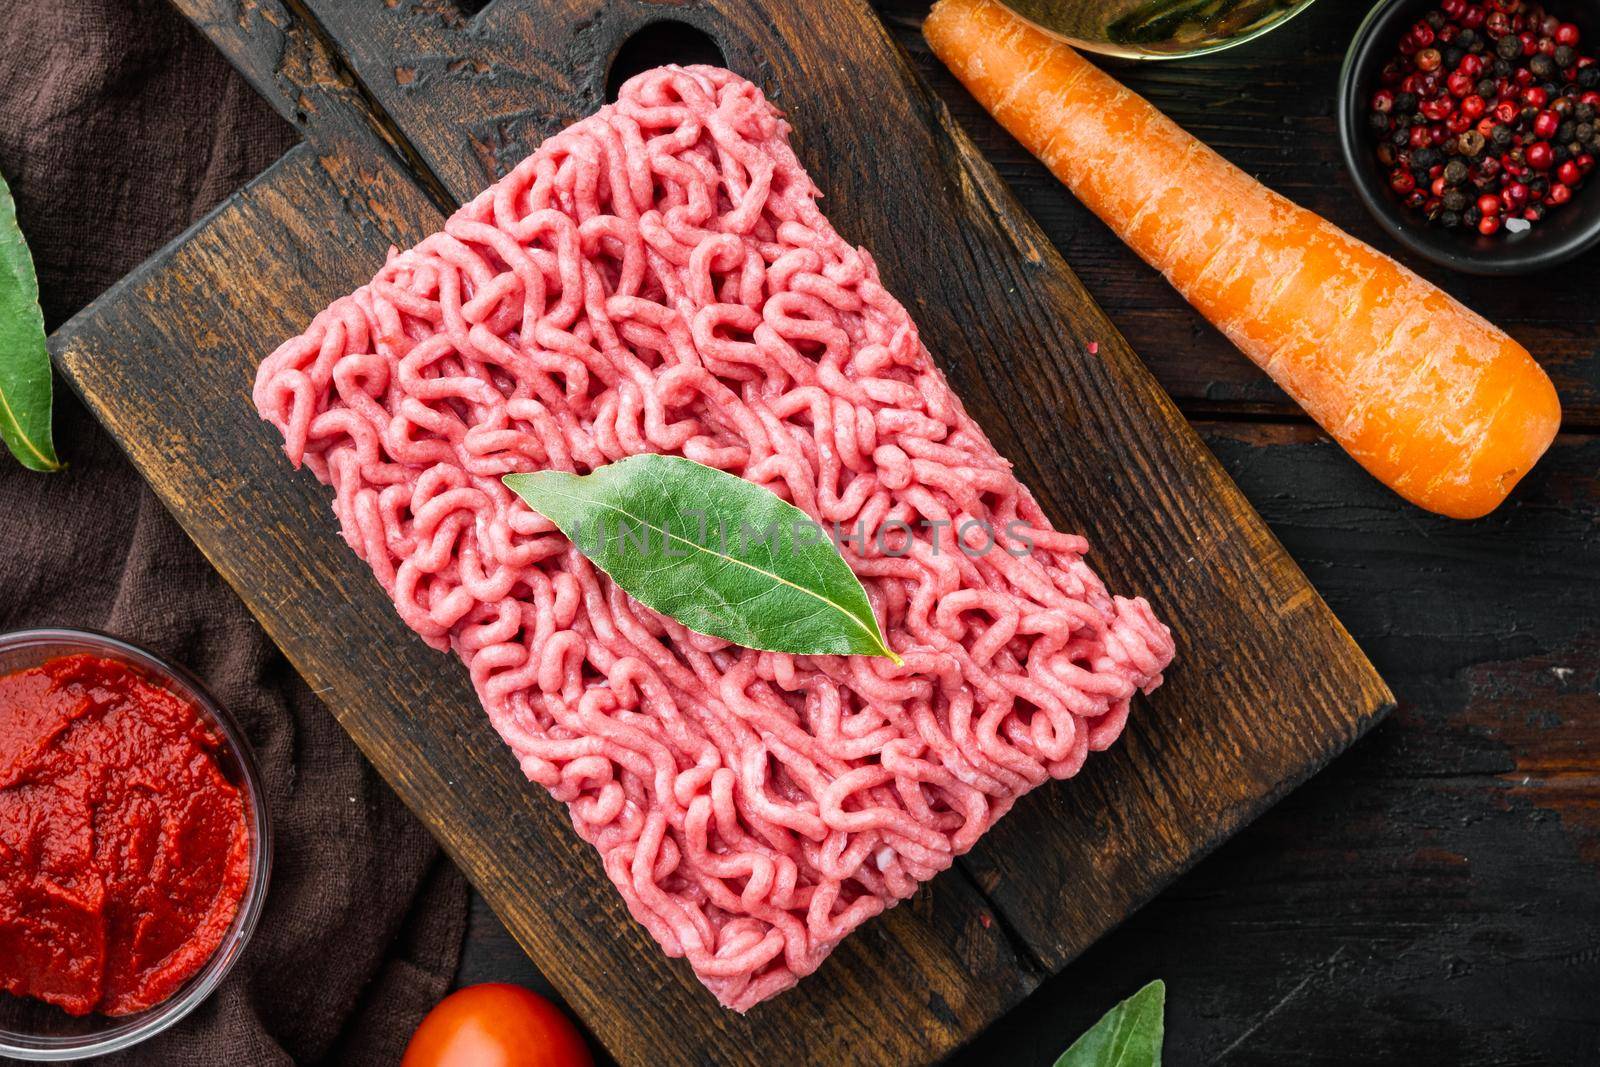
(1268, 686)
(1432, 897)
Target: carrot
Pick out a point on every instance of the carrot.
(1437, 403)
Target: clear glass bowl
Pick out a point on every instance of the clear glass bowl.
(33, 1030)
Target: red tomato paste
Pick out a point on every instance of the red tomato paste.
(124, 849)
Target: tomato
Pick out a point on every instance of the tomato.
(496, 1025)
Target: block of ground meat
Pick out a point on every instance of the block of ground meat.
(659, 278)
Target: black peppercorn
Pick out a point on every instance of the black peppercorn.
(1485, 88)
(1450, 220)
(1543, 66)
(1500, 136)
(1502, 67)
(1467, 37)
(1436, 19)
(1455, 172)
(1423, 158)
(1378, 121)
(1560, 153)
(1566, 131)
(1589, 77)
(1454, 200)
(1453, 58)
(1508, 48)
(1584, 133)
(1472, 216)
(1565, 56)
(1405, 103)
(1399, 136)
(1584, 112)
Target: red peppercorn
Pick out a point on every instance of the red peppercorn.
(1505, 111)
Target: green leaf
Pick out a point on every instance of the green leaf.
(721, 555)
(25, 384)
(1129, 1035)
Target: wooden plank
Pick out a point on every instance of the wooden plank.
(1433, 896)
(166, 360)
(1011, 325)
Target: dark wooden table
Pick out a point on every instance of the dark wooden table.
(1434, 895)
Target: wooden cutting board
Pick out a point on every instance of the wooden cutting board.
(408, 107)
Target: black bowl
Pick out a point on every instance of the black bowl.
(1563, 234)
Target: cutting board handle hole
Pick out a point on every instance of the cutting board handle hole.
(654, 43)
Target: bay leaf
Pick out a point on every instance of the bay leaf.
(1129, 1035)
(721, 555)
(25, 384)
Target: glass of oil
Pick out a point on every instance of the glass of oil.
(1156, 29)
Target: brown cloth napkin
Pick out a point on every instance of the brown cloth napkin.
(119, 127)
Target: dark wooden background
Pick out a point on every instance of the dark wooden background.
(1434, 895)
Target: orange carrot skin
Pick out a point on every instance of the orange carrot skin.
(1436, 402)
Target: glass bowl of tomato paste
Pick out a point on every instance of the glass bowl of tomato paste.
(135, 847)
